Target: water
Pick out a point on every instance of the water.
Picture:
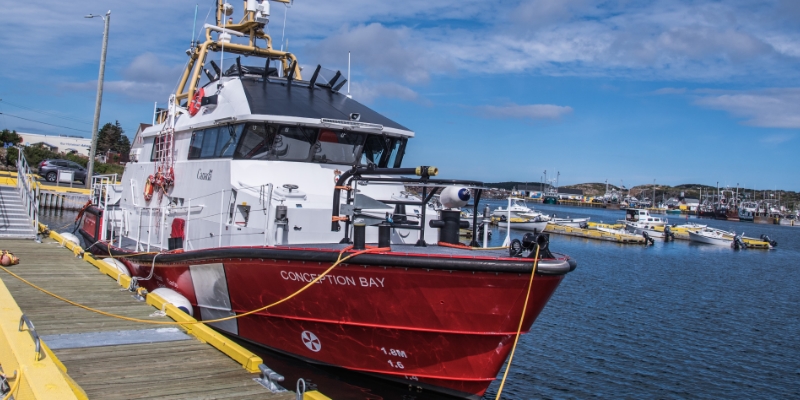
(673, 320)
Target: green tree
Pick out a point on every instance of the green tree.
(112, 137)
(10, 138)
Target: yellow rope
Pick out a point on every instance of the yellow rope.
(147, 321)
(18, 377)
(519, 328)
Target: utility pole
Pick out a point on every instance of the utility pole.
(90, 166)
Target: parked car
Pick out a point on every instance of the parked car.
(48, 169)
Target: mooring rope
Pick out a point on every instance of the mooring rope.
(339, 261)
(519, 328)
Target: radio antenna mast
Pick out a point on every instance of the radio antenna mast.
(348, 76)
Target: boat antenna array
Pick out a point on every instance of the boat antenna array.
(251, 26)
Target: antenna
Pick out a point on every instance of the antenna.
(283, 32)
(348, 76)
(194, 25)
(227, 10)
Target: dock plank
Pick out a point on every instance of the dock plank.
(187, 369)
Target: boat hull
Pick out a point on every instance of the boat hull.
(443, 328)
(695, 237)
(636, 230)
(525, 226)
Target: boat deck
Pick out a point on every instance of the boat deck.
(111, 358)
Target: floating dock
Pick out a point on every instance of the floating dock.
(594, 234)
(61, 351)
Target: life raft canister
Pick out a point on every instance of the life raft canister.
(197, 101)
(148, 188)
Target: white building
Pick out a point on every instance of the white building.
(59, 143)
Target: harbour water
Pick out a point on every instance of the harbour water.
(672, 320)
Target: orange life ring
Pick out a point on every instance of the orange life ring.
(148, 188)
(197, 102)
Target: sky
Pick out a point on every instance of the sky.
(630, 92)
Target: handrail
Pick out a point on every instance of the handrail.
(28, 189)
(23, 320)
(373, 174)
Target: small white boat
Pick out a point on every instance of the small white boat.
(691, 226)
(536, 216)
(522, 224)
(516, 207)
(713, 236)
(637, 228)
(612, 230)
(572, 222)
(643, 216)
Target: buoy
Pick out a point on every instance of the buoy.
(176, 299)
(148, 188)
(118, 265)
(71, 238)
(197, 102)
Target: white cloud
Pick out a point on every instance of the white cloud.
(669, 90)
(769, 108)
(146, 78)
(368, 92)
(381, 51)
(777, 138)
(525, 111)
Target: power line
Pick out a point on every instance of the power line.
(45, 112)
(40, 122)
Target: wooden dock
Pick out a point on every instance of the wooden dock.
(106, 356)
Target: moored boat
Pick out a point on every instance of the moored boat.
(573, 222)
(524, 224)
(712, 236)
(251, 186)
(515, 208)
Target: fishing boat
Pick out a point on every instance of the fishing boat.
(747, 210)
(257, 178)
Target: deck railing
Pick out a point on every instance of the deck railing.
(28, 190)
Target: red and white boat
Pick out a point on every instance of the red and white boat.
(251, 184)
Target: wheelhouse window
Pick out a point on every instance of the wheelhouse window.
(264, 141)
(383, 151)
(216, 142)
(338, 147)
(196, 144)
(291, 143)
(254, 143)
(209, 147)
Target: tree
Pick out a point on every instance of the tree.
(10, 138)
(112, 137)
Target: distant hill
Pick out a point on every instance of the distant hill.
(592, 189)
(692, 190)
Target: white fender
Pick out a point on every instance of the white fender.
(175, 298)
(70, 238)
(118, 265)
(454, 197)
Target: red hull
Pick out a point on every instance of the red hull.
(445, 329)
